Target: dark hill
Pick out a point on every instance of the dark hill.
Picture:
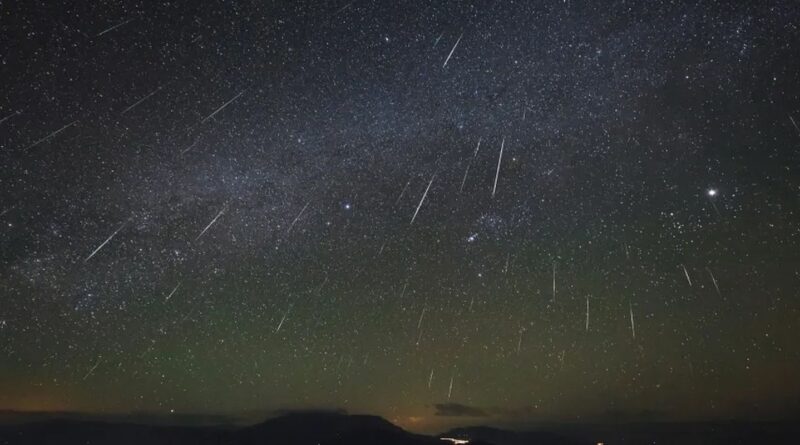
(74, 432)
(318, 428)
(666, 433)
(326, 428)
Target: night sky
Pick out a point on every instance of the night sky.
(439, 212)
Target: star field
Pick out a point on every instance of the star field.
(535, 211)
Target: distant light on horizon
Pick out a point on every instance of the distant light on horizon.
(454, 440)
(712, 192)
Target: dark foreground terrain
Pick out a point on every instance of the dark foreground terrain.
(336, 428)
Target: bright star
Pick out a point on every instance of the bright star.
(712, 192)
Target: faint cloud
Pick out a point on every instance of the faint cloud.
(458, 410)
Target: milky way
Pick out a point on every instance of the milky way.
(535, 211)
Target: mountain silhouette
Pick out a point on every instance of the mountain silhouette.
(334, 428)
(663, 433)
(327, 428)
(74, 432)
(305, 428)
